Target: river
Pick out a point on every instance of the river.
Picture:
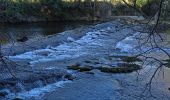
(30, 30)
(96, 48)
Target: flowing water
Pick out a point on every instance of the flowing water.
(100, 43)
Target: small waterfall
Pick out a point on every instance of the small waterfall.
(37, 93)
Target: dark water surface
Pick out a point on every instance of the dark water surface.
(12, 32)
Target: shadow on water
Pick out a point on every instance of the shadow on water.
(13, 32)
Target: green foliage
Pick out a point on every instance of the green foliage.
(12, 9)
(141, 3)
(22, 7)
(43, 8)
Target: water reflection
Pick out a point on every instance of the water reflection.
(20, 30)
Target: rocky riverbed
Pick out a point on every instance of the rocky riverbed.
(92, 63)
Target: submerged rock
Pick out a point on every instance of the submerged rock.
(17, 98)
(22, 39)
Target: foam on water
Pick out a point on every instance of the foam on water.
(128, 44)
(33, 55)
(132, 44)
(93, 43)
(61, 52)
(38, 93)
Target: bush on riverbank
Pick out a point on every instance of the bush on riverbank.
(46, 10)
(50, 10)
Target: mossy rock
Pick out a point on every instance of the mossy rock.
(124, 65)
(125, 68)
(129, 59)
(79, 68)
(167, 63)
